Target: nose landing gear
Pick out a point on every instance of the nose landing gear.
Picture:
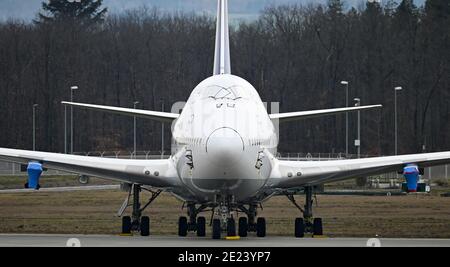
(224, 221)
(307, 224)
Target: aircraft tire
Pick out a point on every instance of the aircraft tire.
(243, 227)
(182, 226)
(317, 227)
(299, 228)
(126, 225)
(261, 227)
(231, 227)
(201, 227)
(216, 229)
(145, 226)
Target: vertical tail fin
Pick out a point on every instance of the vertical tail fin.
(222, 64)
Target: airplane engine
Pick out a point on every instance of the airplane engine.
(34, 170)
(412, 175)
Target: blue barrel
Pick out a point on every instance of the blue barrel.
(412, 175)
(34, 170)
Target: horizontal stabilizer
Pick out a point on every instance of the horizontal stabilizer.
(283, 117)
(153, 115)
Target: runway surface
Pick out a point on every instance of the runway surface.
(25, 240)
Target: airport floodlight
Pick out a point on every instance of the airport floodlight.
(346, 83)
(397, 89)
(358, 141)
(162, 129)
(135, 103)
(72, 88)
(34, 126)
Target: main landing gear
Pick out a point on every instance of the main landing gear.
(137, 222)
(250, 223)
(194, 224)
(307, 224)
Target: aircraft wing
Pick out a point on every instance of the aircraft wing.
(293, 116)
(60, 189)
(146, 114)
(154, 173)
(291, 174)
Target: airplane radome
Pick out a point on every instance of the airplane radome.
(223, 158)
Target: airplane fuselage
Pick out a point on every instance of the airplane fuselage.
(224, 140)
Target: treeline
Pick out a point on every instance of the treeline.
(292, 54)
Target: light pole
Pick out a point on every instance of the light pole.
(73, 88)
(134, 147)
(162, 130)
(65, 129)
(346, 117)
(358, 141)
(396, 124)
(34, 126)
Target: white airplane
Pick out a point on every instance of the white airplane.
(223, 157)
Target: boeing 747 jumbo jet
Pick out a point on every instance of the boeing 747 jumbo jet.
(223, 158)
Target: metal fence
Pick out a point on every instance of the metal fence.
(433, 173)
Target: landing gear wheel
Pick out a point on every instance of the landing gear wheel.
(201, 226)
(182, 226)
(231, 227)
(261, 227)
(317, 227)
(145, 226)
(126, 225)
(243, 227)
(299, 228)
(216, 229)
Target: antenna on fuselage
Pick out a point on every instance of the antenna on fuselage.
(222, 62)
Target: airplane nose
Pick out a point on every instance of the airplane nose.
(225, 146)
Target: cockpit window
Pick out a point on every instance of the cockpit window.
(218, 92)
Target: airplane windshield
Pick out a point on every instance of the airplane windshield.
(231, 93)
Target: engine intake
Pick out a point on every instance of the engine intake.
(412, 175)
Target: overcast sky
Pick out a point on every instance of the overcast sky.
(27, 9)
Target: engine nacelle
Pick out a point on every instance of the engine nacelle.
(34, 170)
(412, 176)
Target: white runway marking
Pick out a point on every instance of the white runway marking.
(25, 240)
